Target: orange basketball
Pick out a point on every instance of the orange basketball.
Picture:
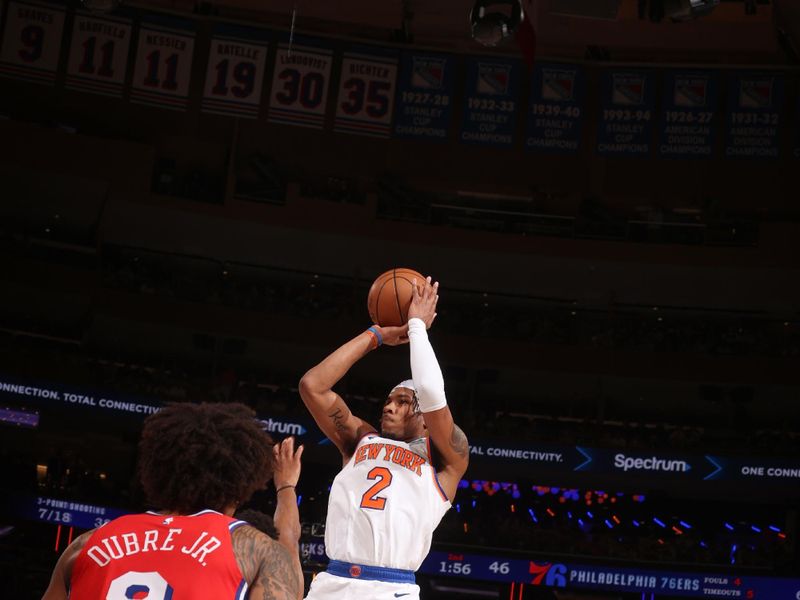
(390, 296)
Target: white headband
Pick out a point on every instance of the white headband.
(408, 384)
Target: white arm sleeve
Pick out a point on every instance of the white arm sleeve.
(425, 371)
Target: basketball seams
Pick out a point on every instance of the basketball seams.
(397, 296)
(378, 301)
(374, 295)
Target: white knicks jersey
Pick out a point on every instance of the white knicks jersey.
(384, 505)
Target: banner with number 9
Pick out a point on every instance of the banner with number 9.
(32, 42)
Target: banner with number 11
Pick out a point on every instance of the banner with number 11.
(98, 55)
(163, 63)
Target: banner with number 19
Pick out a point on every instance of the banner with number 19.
(235, 73)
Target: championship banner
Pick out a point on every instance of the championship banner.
(554, 116)
(424, 96)
(626, 120)
(237, 61)
(688, 123)
(32, 42)
(755, 103)
(163, 63)
(98, 55)
(366, 94)
(490, 102)
(300, 82)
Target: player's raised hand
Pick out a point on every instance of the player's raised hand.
(424, 297)
(286, 463)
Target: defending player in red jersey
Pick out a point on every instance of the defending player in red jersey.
(198, 462)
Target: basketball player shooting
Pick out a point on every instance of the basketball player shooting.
(392, 490)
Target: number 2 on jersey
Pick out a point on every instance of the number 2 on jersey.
(370, 499)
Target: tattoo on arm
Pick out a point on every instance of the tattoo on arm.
(265, 565)
(458, 441)
(339, 417)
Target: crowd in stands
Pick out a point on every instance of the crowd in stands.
(274, 393)
(523, 319)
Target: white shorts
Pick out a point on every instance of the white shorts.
(331, 587)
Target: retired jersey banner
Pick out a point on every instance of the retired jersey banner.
(554, 116)
(755, 104)
(32, 42)
(235, 73)
(625, 125)
(366, 94)
(98, 55)
(163, 63)
(300, 83)
(424, 96)
(490, 104)
(688, 118)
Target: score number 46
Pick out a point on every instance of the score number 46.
(498, 567)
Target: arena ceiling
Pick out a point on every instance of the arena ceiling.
(728, 35)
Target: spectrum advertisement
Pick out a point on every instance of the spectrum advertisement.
(532, 458)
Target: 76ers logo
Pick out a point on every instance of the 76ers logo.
(554, 575)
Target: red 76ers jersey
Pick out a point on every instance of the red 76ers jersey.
(160, 557)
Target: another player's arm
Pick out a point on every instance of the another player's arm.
(326, 406)
(448, 439)
(270, 570)
(58, 589)
(286, 474)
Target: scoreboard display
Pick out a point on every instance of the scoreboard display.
(608, 578)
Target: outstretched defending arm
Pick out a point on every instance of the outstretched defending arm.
(448, 438)
(326, 406)
(286, 474)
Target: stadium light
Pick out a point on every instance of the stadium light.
(100, 6)
(686, 10)
(491, 27)
(676, 10)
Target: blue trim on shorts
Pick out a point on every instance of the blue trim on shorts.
(344, 569)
